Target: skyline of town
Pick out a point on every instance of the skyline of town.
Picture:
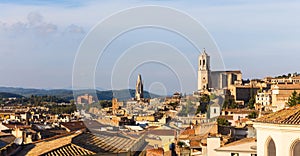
(149, 78)
(244, 39)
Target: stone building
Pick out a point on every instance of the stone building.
(281, 94)
(85, 99)
(215, 80)
(139, 90)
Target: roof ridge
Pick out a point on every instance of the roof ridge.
(285, 116)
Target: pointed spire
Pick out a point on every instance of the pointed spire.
(204, 51)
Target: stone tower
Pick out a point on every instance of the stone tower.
(139, 91)
(204, 71)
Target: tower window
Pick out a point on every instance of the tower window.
(200, 62)
(204, 62)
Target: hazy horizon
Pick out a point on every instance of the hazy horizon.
(39, 40)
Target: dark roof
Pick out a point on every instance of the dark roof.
(285, 116)
(162, 132)
(74, 126)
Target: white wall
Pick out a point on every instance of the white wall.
(283, 136)
(212, 144)
(212, 113)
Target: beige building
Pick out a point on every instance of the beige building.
(281, 94)
(85, 99)
(215, 80)
(292, 79)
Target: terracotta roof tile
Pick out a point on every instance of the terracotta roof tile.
(155, 152)
(245, 140)
(286, 116)
(195, 143)
(162, 132)
(188, 132)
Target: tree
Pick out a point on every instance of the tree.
(251, 102)
(293, 99)
(253, 115)
(229, 101)
(223, 122)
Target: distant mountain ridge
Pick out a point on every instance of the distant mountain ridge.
(123, 94)
(9, 95)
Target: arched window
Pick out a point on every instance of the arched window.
(296, 148)
(271, 148)
(203, 62)
(200, 62)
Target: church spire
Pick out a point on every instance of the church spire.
(139, 91)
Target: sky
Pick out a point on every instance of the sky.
(39, 41)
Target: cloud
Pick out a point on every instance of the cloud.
(34, 18)
(74, 29)
(37, 25)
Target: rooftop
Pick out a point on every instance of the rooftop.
(289, 116)
(287, 86)
(243, 145)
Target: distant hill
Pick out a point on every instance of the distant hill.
(9, 95)
(123, 94)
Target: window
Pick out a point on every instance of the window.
(203, 62)
(215, 110)
(271, 148)
(253, 154)
(296, 149)
(200, 62)
(234, 154)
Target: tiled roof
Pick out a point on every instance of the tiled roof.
(70, 150)
(155, 152)
(162, 132)
(243, 145)
(74, 126)
(245, 140)
(288, 86)
(188, 132)
(285, 116)
(47, 145)
(195, 143)
(103, 143)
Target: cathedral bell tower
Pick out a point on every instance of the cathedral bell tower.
(203, 71)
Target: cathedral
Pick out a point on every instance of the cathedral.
(215, 80)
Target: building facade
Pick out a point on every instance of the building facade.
(278, 133)
(215, 80)
(263, 98)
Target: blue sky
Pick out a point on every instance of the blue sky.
(39, 39)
